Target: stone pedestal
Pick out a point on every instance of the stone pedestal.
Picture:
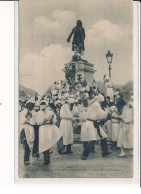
(84, 68)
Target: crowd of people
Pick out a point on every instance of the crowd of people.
(64, 111)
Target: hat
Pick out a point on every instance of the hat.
(30, 105)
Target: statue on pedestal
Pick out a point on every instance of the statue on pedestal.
(78, 40)
(78, 66)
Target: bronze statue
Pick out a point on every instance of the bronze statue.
(78, 38)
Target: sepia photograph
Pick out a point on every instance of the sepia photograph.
(76, 89)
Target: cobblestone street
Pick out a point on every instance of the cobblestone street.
(71, 166)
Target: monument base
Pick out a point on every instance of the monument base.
(84, 68)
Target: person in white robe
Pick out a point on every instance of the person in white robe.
(66, 127)
(27, 121)
(125, 140)
(83, 118)
(84, 134)
(93, 127)
(49, 133)
(115, 126)
(109, 88)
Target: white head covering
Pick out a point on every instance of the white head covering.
(87, 88)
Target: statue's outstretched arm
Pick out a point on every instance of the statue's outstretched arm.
(69, 37)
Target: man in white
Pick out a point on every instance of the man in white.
(27, 121)
(85, 136)
(95, 115)
(49, 133)
(109, 88)
(125, 139)
(66, 127)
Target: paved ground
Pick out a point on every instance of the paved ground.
(71, 166)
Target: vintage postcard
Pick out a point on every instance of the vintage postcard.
(76, 89)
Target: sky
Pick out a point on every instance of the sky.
(44, 26)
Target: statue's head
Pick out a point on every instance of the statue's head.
(79, 23)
